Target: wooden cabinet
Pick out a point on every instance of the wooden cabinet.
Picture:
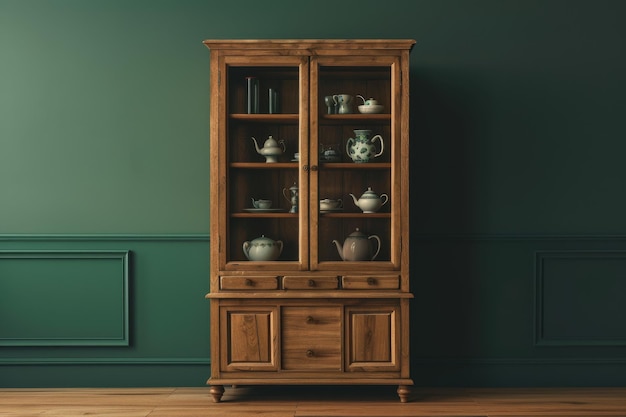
(309, 316)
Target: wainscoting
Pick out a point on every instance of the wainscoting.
(45, 291)
(104, 310)
(519, 310)
(129, 310)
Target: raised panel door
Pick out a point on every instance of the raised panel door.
(248, 338)
(372, 334)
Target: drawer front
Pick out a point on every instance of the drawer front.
(311, 338)
(249, 283)
(370, 282)
(310, 283)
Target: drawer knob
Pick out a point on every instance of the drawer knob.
(311, 283)
(249, 282)
(310, 319)
(371, 281)
(310, 353)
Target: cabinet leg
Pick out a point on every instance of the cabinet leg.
(403, 392)
(216, 392)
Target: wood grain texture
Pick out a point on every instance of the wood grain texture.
(367, 401)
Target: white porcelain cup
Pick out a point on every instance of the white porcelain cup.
(262, 204)
(330, 204)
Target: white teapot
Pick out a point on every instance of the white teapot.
(262, 249)
(370, 202)
(271, 149)
(358, 247)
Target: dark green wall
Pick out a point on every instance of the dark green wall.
(517, 182)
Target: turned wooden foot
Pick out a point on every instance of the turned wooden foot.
(403, 392)
(216, 392)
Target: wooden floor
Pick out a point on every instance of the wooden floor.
(312, 402)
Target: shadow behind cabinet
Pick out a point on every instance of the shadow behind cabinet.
(288, 304)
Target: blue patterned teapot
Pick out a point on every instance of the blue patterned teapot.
(361, 148)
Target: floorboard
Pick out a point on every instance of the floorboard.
(311, 401)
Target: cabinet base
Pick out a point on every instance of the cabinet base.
(217, 386)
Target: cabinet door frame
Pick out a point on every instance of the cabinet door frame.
(221, 62)
(398, 141)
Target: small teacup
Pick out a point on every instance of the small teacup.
(330, 204)
(261, 204)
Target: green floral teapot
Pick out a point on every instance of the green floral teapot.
(362, 148)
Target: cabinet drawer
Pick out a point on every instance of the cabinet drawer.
(370, 282)
(310, 283)
(249, 283)
(311, 338)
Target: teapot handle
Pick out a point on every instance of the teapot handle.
(384, 197)
(280, 245)
(382, 145)
(246, 249)
(282, 144)
(348, 142)
(361, 97)
(378, 248)
(285, 195)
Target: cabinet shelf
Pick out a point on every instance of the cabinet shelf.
(354, 165)
(356, 117)
(266, 118)
(264, 165)
(324, 165)
(264, 215)
(357, 215)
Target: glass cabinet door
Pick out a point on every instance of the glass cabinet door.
(355, 136)
(264, 145)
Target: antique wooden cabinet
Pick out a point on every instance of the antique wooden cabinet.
(304, 293)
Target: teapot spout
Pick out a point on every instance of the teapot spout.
(356, 201)
(256, 145)
(339, 249)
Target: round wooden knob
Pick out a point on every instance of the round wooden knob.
(310, 319)
(249, 282)
(310, 353)
(311, 283)
(371, 281)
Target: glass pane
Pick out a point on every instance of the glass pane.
(355, 147)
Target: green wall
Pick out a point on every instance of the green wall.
(517, 183)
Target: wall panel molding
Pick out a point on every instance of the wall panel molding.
(64, 297)
(103, 237)
(518, 237)
(106, 361)
(579, 298)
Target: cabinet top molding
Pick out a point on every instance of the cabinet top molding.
(311, 44)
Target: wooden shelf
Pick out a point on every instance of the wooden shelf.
(264, 165)
(266, 118)
(354, 165)
(264, 215)
(357, 215)
(342, 118)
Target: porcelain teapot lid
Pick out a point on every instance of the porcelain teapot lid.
(357, 233)
(262, 241)
(370, 194)
(270, 142)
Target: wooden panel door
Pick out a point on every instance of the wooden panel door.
(248, 338)
(372, 338)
